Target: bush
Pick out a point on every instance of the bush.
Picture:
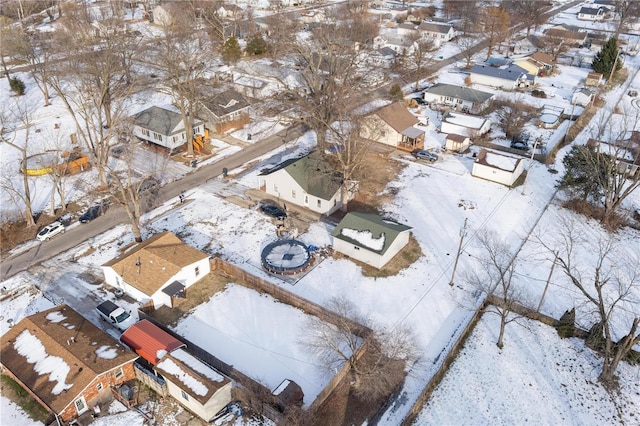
(538, 93)
(17, 86)
(395, 93)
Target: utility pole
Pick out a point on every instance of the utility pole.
(463, 232)
(546, 287)
(533, 152)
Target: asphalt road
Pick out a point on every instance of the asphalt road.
(116, 215)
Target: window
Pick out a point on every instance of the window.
(185, 396)
(157, 136)
(81, 405)
(293, 193)
(119, 373)
(319, 203)
(197, 271)
(275, 187)
(173, 139)
(145, 132)
(184, 136)
(99, 387)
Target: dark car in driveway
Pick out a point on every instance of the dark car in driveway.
(273, 211)
(93, 212)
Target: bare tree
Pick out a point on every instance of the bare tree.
(419, 59)
(183, 60)
(514, 114)
(280, 34)
(626, 11)
(494, 279)
(609, 281)
(16, 122)
(495, 22)
(377, 359)
(94, 80)
(466, 45)
(530, 13)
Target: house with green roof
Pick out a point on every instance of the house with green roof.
(308, 182)
(370, 238)
(164, 127)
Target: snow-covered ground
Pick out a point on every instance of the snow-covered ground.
(543, 379)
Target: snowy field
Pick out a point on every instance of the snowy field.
(258, 335)
(543, 380)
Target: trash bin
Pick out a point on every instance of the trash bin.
(194, 163)
(248, 136)
(224, 172)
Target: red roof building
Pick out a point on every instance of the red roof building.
(149, 341)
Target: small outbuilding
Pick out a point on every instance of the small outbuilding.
(457, 143)
(582, 97)
(464, 124)
(370, 238)
(498, 167)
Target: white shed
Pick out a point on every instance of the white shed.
(582, 97)
(370, 238)
(464, 124)
(497, 167)
(457, 143)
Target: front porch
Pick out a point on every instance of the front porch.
(411, 142)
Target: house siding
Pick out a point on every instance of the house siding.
(464, 131)
(205, 411)
(384, 133)
(490, 81)
(187, 276)
(281, 185)
(91, 394)
(496, 175)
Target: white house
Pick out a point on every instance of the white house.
(439, 33)
(383, 57)
(157, 270)
(591, 13)
(164, 127)
(457, 143)
(506, 78)
(582, 97)
(402, 45)
(370, 238)
(308, 182)
(464, 124)
(394, 125)
(460, 98)
(198, 387)
(500, 168)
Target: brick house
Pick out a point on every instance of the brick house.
(64, 362)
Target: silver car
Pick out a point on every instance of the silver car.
(422, 154)
(50, 230)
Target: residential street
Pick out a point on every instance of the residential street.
(41, 251)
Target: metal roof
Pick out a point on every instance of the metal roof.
(149, 341)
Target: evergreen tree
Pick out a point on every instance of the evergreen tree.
(580, 175)
(17, 86)
(231, 51)
(256, 45)
(395, 93)
(606, 58)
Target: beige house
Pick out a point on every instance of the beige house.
(198, 387)
(394, 125)
(157, 270)
(497, 167)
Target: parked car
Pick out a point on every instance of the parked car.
(50, 230)
(273, 211)
(93, 212)
(520, 145)
(420, 100)
(422, 154)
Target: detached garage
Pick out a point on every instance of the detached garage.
(370, 238)
(496, 167)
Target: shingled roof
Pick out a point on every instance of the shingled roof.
(313, 173)
(226, 102)
(397, 116)
(57, 353)
(153, 262)
(459, 92)
(162, 121)
(373, 224)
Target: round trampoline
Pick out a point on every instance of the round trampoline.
(549, 118)
(286, 257)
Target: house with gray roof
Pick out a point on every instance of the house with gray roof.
(438, 32)
(226, 109)
(506, 78)
(308, 182)
(164, 127)
(370, 238)
(460, 98)
(592, 13)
